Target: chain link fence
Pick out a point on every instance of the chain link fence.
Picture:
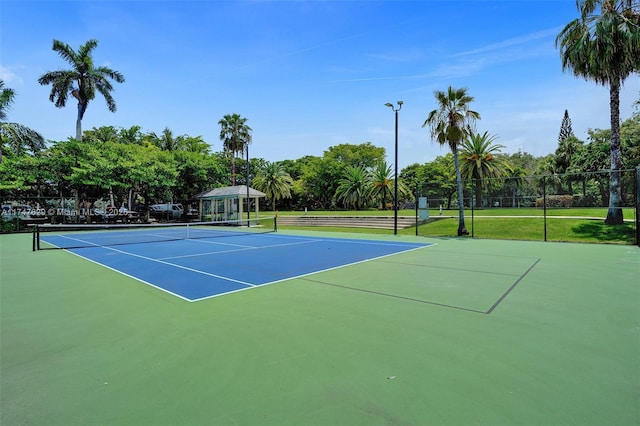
(568, 207)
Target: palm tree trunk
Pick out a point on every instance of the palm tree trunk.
(384, 198)
(462, 230)
(614, 214)
(478, 188)
(79, 123)
(233, 169)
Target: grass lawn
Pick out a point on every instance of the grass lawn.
(525, 211)
(567, 225)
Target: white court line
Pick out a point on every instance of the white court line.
(132, 276)
(245, 248)
(345, 240)
(250, 285)
(312, 273)
(182, 267)
(91, 243)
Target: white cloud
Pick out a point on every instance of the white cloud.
(516, 41)
(9, 76)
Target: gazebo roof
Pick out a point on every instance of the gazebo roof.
(238, 191)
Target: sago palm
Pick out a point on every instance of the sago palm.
(450, 124)
(605, 48)
(81, 81)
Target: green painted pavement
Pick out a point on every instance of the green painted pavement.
(401, 340)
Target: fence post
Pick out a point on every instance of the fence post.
(474, 182)
(415, 199)
(544, 205)
(637, 180)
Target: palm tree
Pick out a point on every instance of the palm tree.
(101, 134)
(479, 161)
(450, 124)
(16, 136)
(382, 181)
(605, 48)
(235, 135)
(273, 181)
(131, 136)
(565, 154)
(353, 189)
(81, 81)
(548, 174)
(7, 96)
(166, 141)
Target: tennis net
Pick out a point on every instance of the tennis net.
(71, 236)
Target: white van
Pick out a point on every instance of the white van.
(166, 211)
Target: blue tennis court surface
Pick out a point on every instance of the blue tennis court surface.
(196, 269)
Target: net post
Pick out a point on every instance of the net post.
(35, 238)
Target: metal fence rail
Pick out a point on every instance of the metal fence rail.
(567, 207)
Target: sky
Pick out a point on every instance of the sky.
(309, 75)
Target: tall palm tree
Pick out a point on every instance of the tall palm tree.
(17, 137)
(81, 81)
(450, 124)
(354, 187)
(605, 48)
(235, 135)
(480, 163)
(274, 181)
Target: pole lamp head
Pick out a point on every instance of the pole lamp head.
(389, 105)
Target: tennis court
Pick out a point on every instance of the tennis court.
(410, 330)
(199, 263)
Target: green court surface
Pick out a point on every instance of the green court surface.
(465, 332)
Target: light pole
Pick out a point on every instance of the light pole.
(248, 199)
(395, 179)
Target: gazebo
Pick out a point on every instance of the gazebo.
(227, 203)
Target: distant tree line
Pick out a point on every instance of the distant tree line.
(129, 167)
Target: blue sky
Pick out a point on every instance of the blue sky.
(309, 74)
